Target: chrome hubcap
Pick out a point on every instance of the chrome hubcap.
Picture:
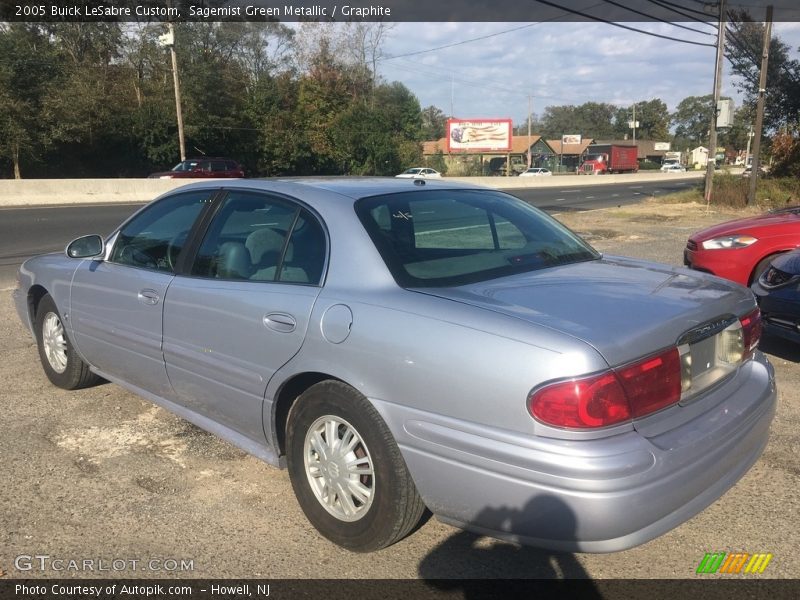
(54, 342)
(339, 468)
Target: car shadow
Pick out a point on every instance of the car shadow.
(779, 347)
(456, 563)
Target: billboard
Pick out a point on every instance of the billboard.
(661, 146)
(478, 135)
(570, 139)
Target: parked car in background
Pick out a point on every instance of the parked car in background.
(777, 292)
(748, 170)
(403, 344)
(673, 168)
(419, 172)
(742, 249)
(535, 172)
(201, 168)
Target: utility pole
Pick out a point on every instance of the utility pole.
(762, 88)
(633, 123)
(750, 135)
(452, 94)
(176, 81)
(529, 131)
(712, 142)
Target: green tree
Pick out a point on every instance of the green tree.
(591, 120)
(653, 118)
(434, 122)
(743, 49)
(29, 67)
(691, 119)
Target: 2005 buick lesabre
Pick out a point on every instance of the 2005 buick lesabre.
(401, 344)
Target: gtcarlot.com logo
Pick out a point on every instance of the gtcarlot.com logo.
(734, 563)
(45, 562)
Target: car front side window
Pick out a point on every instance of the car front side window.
(154, 238)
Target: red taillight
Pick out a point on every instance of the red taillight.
(653, 383)
(751, 331)
(611, 397)
(595, 401)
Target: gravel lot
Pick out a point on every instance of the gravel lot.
(100, 474)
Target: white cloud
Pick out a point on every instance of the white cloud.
(558, 63)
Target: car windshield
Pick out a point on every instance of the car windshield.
(454, 237)
(186, 165)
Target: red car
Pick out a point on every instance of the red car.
(741, 250)
(200, 168)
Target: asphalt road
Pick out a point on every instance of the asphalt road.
(100, 474)
(26, 232)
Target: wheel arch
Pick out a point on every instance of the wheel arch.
(35, 295)
(288, 393)
(764, 261)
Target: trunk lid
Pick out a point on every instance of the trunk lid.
(624, 308)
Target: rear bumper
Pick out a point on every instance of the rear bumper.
(600, 495)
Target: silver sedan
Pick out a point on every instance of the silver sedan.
(401, 344)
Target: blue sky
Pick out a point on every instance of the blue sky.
(557, 63)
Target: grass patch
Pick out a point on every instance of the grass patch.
(731, 191)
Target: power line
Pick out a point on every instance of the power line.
(638, 12)
(461, 43)
(674, 8)
(620, 25)
(477, 39)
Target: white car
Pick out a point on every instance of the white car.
(673, 168)
(417, 172)
(535, 172)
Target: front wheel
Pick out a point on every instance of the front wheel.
(762, 266)
(346, 470)
(61, 364)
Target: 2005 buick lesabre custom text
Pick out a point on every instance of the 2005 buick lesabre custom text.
(402, 344)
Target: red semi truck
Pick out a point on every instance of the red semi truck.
(609, 158)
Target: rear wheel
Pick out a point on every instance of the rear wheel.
(61, 364)
(347, 471)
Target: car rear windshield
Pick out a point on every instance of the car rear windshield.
(454, 237)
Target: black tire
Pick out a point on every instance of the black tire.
(395, 507)
(66, 371)
(762, 266)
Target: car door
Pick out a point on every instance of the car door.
(241, 310)
(116, 304)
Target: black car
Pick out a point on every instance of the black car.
(778, 294)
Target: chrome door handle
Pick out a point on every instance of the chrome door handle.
(150, 297)
(280, 322)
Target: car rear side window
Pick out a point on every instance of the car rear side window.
(455, 237)
(257, 237)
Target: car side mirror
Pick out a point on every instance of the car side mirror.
(88, 246)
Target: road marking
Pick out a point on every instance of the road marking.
(569, 191)
(589, 197)
(635, 187)
(560, 199)
(615, 195)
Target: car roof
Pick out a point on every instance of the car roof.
(350, 187)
